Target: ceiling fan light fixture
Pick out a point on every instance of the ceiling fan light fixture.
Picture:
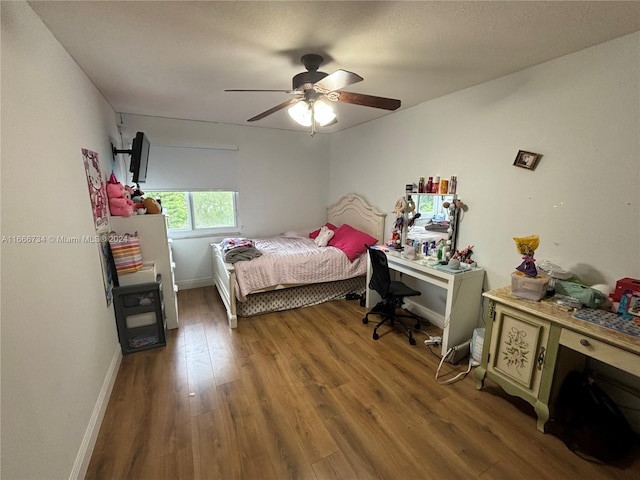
(304, 113)
(301, 113)
(323, 113)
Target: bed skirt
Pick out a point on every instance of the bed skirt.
(295, 297)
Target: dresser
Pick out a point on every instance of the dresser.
(529, 347)
(155, 245)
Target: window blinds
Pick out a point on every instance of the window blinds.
(192, 169)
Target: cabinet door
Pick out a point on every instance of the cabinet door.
(518, 347)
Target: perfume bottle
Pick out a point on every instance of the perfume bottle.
(453, 184)
(429, 186)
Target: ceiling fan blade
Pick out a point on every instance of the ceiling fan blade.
(242, 90)
(337, 80)
(368, 100)
(274, 109)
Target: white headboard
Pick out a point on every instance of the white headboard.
(354, 210)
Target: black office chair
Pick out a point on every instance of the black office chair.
(392, 293)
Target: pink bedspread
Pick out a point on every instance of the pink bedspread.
(293, 260)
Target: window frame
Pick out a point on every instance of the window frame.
(194, 232)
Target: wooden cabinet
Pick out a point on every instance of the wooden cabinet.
(155, 245)
(529, 347)
(519, 356)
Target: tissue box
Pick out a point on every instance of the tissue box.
(531, 288)
(147, 274)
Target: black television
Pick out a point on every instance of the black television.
(139, 157)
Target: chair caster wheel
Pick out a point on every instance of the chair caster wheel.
(375, 336)
(417, 326)
(365, 320)
(412, 341)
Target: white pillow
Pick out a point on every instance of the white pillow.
(301, 233)
(323, 237)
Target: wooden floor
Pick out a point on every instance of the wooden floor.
(307, 394)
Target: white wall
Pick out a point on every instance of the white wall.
(59, 344)
(283, 180)
(580, 111)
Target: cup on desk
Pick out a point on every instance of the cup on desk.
(409, 252)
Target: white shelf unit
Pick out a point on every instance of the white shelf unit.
(156, 247)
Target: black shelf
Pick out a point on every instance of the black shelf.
(133, 300)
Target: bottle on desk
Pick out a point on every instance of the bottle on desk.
(453, 184)
(429, 186)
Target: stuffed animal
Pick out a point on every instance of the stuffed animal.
(120, 203)
(152, 205)
(136, 194)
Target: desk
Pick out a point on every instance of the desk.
(463, 302)
(549, 342)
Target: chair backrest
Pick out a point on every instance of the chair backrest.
(380, 277)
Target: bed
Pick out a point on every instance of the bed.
(244, 296)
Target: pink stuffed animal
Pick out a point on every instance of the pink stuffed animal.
(120, 203)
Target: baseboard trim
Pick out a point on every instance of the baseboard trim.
(83, 458)
(195, 283)
(433, 317)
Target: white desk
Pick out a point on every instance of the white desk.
(463, 302)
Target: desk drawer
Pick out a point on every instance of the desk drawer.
(627, 361)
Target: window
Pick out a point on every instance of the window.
(431, 207)
(199, 212)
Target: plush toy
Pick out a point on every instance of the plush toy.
(137, 195)
(400, 207)
(120, 203)
(152, 205)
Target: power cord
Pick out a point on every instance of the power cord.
(457, 377)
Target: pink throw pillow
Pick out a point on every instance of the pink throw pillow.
(330, 226)
(351, 241)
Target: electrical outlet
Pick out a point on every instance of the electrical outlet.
(433, 341)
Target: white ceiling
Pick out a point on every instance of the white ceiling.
(175, 59)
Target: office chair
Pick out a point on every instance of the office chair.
(392, 293)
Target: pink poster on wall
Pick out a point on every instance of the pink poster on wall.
(98, 196)
(97, 189)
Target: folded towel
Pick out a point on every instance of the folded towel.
(237, 249)
(241, 253)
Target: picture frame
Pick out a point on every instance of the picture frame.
(527, 160)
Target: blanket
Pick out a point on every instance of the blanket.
(238, 249)
(294, 261)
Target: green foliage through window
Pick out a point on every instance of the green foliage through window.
(198, 210)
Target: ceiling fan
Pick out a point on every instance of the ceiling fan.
(312, 88)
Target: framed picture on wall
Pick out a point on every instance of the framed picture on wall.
(527, 160)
